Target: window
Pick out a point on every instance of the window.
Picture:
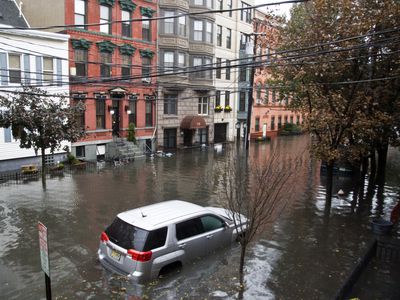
(291, 119)
(242, 101)
(126, 23)
(228, 38)
(15, 68)
(156, 239)
(198, 2)
(257, 125)
(105, 19)
(220, 4)
(149, 113)
(189, 228)
(207, 64)
(217, 98)
(146, 67)
(211, 223)
(181, 60)
(286, 120)
(198, 63)
(258, 95)
(81, 116)
(279, 122)
(266, 98)
(297, 120)
(245, 14)
(273, 96)
(169, 23)
(182, 26)
(242, 73)
(272, 123)
(219, 35)
(48, 70)
(100, 113)
(198, 30)
(244, 39)
(146, 31)
(227, 96)
(132, 108)
(203, 135)
(105, 66)
(228, 70)
(209, 32)
(209, 4)
(229, 5)
(81, 61)
(168, 62)
(126, 64)
(218, 69)
(170, 104)
(203, 105)
(80, 151)
(80, 12)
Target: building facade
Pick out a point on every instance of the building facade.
(185, 96)
(269, 111)
(233, 30)
(32, 58)
(112, 66)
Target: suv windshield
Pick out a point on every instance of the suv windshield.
(126, 235)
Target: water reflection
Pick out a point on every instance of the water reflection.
(306, 254)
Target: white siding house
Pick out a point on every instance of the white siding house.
(36, 58)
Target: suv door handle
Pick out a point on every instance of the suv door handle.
(181, 246)
(209, 236)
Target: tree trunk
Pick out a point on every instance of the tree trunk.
(329, 180)
(43, 167)
(381, 170)
(372, 172)
(241, 266)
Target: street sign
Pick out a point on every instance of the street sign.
(44, 250)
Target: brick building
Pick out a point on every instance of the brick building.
(270, 112)
(110, 66)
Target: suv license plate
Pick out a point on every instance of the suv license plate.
(116, 255)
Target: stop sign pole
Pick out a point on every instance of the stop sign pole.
(44, 257)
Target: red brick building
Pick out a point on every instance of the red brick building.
(111, 63)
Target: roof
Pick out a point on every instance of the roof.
(151, 216)
(193, 122)
(10, 14)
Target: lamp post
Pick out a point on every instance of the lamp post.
(237, 125)
(250, 102)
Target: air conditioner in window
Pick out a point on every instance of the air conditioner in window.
(146, 80)
(72, 71)
(258, 101)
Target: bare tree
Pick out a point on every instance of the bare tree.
(254, 195)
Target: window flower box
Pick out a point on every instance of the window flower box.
(228, 108)
(218, 108)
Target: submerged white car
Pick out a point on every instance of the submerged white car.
(143, 242)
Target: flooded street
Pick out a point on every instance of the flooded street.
(307, 253)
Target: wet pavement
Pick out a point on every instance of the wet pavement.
(307, 253)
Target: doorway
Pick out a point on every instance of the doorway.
(115, 119)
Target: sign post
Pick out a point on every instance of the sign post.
(44, 257)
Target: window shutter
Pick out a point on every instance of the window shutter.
(27, 69)
(39, 70)
(59, 71)
(7, 135)
(3, 69)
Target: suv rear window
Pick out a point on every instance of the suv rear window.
(128, 236)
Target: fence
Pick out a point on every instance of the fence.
(18, 177)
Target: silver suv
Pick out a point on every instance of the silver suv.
(143, 242)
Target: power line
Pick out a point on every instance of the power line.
(209, 11)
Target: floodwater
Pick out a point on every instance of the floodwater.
(307, 253)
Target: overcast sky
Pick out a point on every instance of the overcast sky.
(282, 9)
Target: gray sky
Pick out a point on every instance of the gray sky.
(282, 9)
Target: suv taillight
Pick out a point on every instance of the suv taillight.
(140, 256)
(104, 237)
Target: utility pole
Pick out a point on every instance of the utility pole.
(250, 102)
